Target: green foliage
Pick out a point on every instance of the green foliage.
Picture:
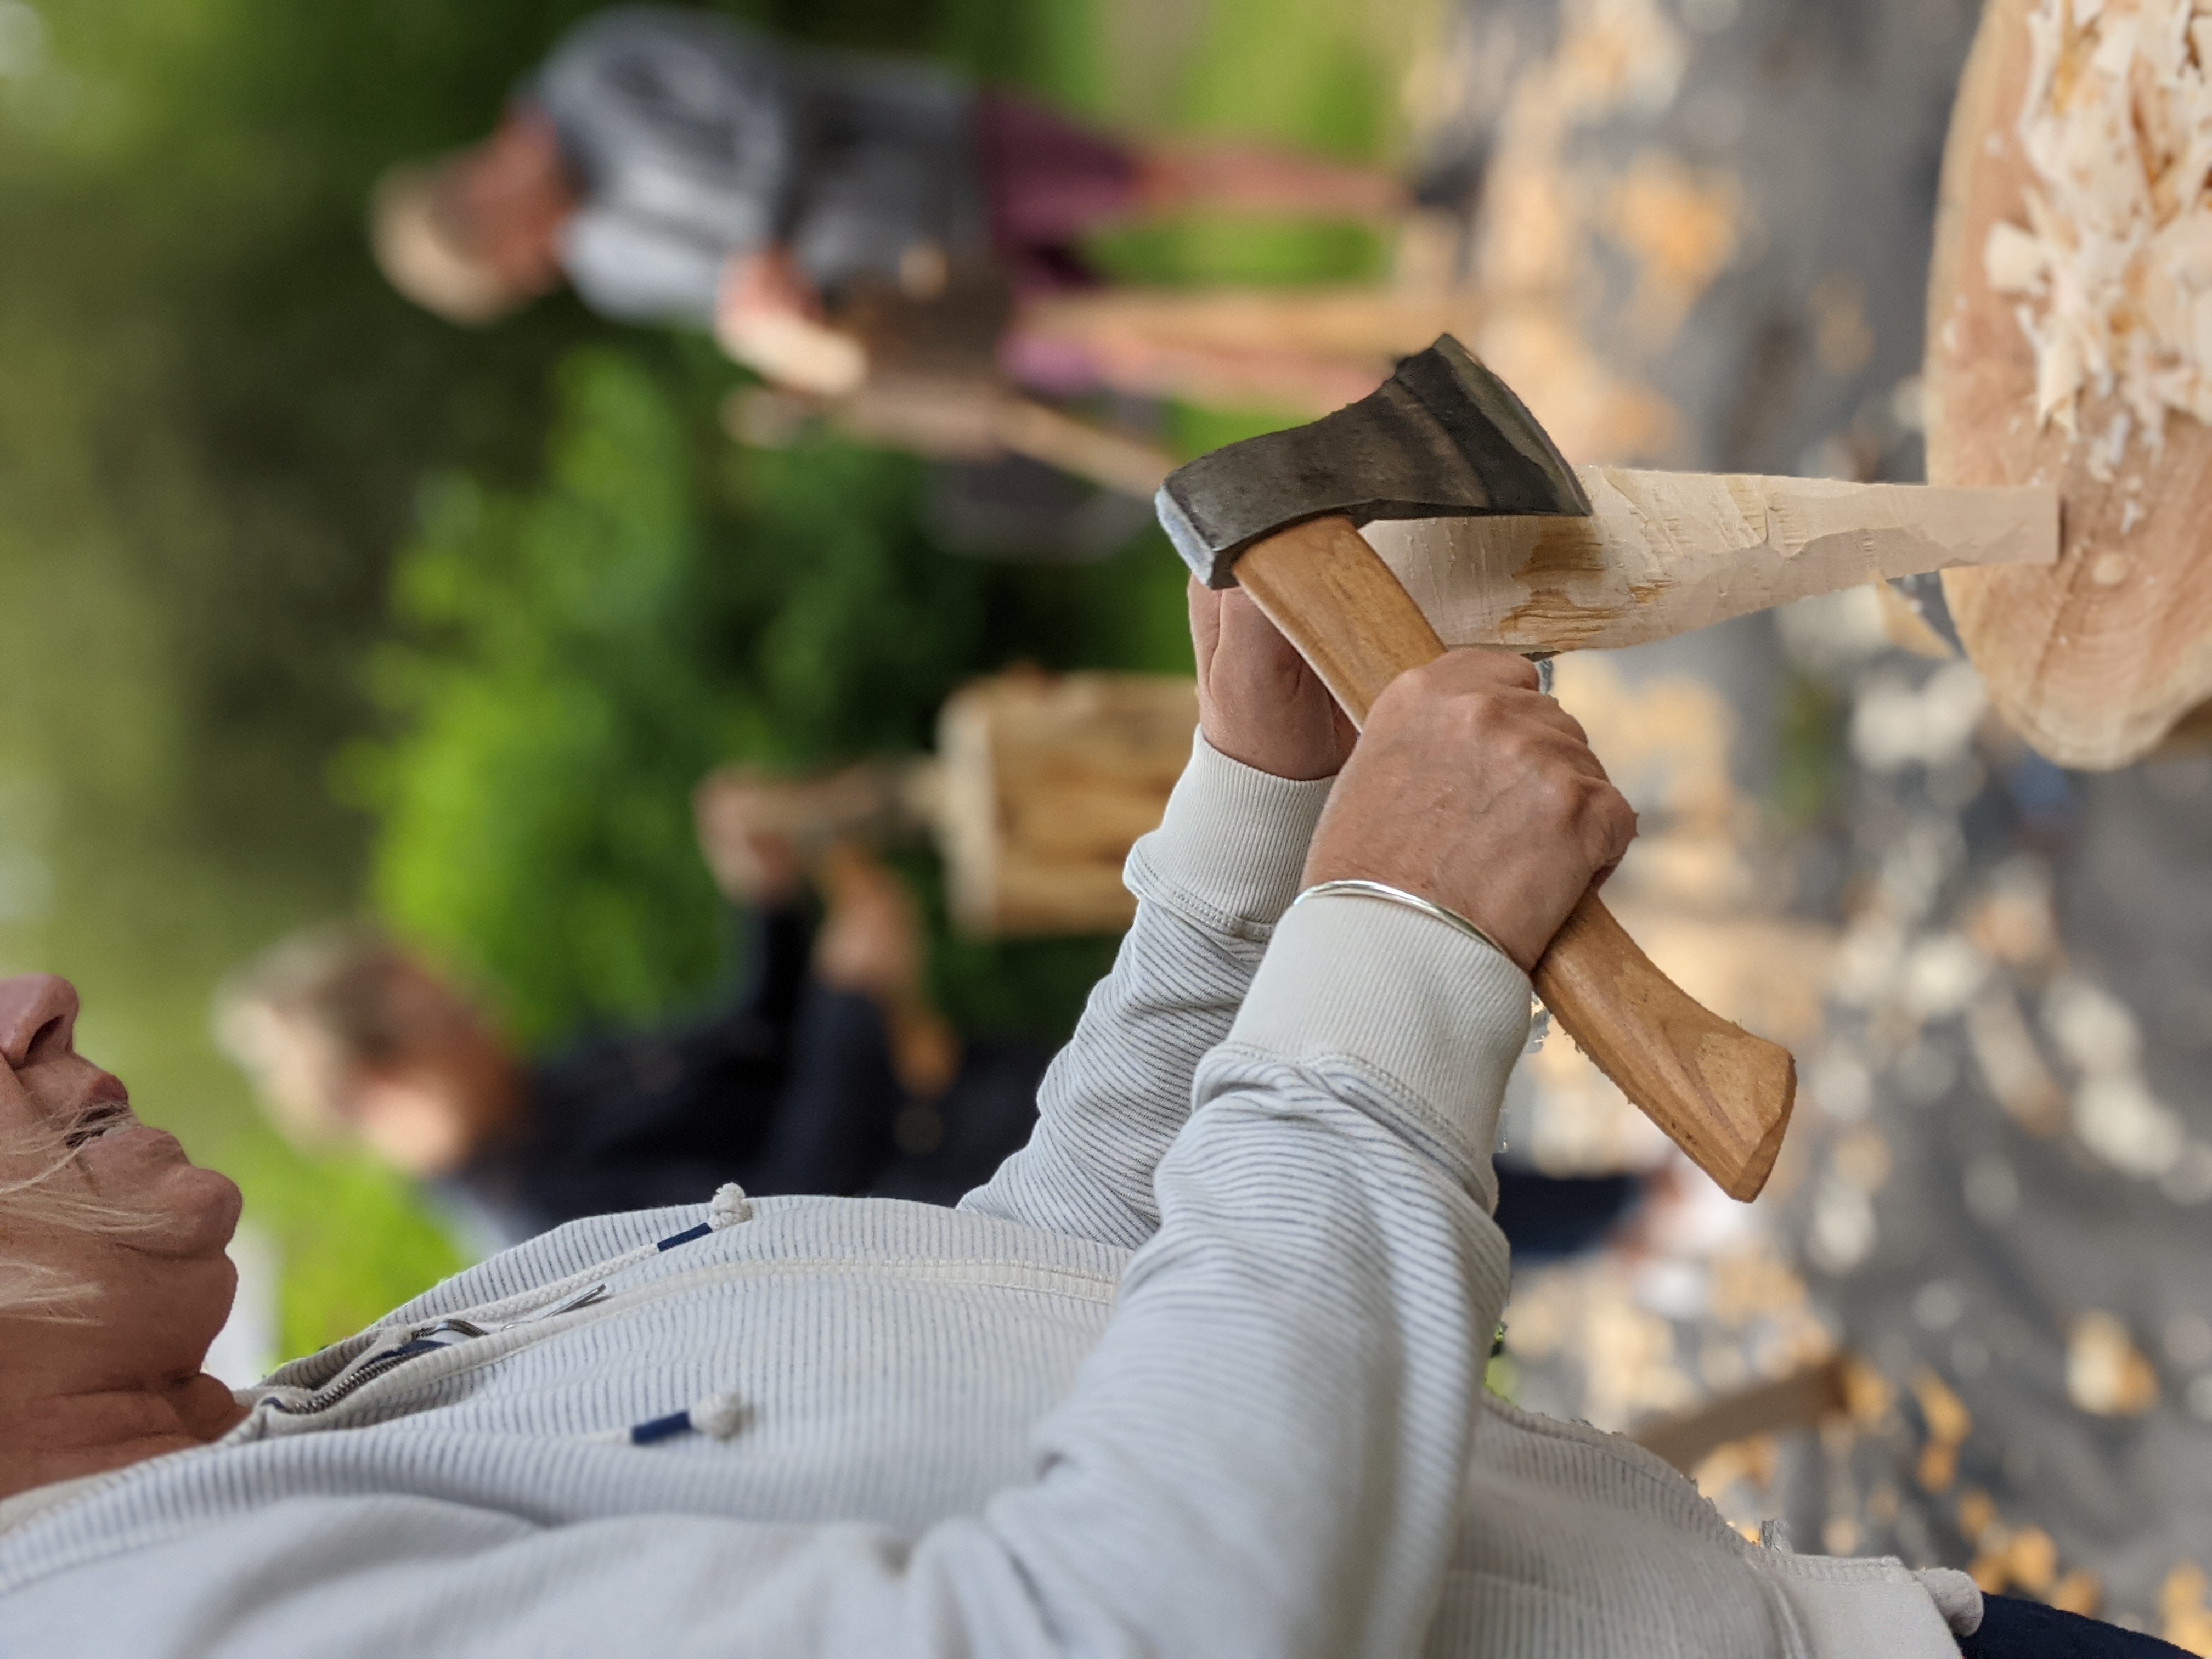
(1810, 762)
(355, 1243)
(575, 657)
(553, 719)
(863, 627)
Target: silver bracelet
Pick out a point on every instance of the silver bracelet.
(1399, 896)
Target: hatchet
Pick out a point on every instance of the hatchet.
(1446, 440)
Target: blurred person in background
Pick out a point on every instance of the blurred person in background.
(829, 1071)
(674, 167)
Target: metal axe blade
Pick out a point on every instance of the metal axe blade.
(1443, 438)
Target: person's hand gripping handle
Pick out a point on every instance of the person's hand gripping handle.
(1721, 1094)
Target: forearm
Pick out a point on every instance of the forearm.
(1211, 884)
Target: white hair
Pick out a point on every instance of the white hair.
(33, 1199)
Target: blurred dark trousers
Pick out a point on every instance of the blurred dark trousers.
(2014, 1629)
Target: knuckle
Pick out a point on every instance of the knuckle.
(1558, 795)
(1486, 714)
(1408, 691)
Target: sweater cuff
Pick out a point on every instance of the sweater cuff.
(1437, 1017)
(1230, 850)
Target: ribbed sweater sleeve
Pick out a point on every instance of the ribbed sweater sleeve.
(1211, 883)
(1264, 1455)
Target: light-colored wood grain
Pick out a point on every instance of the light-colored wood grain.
(1668, 552)
(2097, 658)
(1722, 1094)
(1041, 784)
(1298, 351)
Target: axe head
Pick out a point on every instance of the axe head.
(1443, 438)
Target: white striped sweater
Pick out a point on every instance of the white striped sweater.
(1200, 1372)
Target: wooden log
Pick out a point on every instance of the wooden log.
(2099, 658)
(953, 418)
(1668, 552)
(1042, 784)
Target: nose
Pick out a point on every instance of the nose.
(36, 1010)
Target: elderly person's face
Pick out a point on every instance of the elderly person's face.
(120, 1379)
(51, 1091)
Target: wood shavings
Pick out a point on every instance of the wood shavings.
(1977, 1512)
(1627, 1355)
(1592, 410)
(1536, 262)
(2184, 1619)
(1754, 1462)
(2115, 1114)
(2107, 1375)
(2081, 1591)
(1683, 226)
(2024, 1560)
(2113, 269)
(1619, 54)
(1948, 1420)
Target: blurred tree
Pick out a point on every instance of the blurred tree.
(575, 657)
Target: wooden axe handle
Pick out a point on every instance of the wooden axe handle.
(1721, 1094)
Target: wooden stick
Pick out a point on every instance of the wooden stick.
(1298, 350)
(1720, 1094)
(1668, 552)
(1801, 1401)
(952, 418)
(1114, 459)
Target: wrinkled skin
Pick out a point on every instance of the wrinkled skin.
(1469, 787)
(122, 1383)
(1475, 790)
(1258, 702)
